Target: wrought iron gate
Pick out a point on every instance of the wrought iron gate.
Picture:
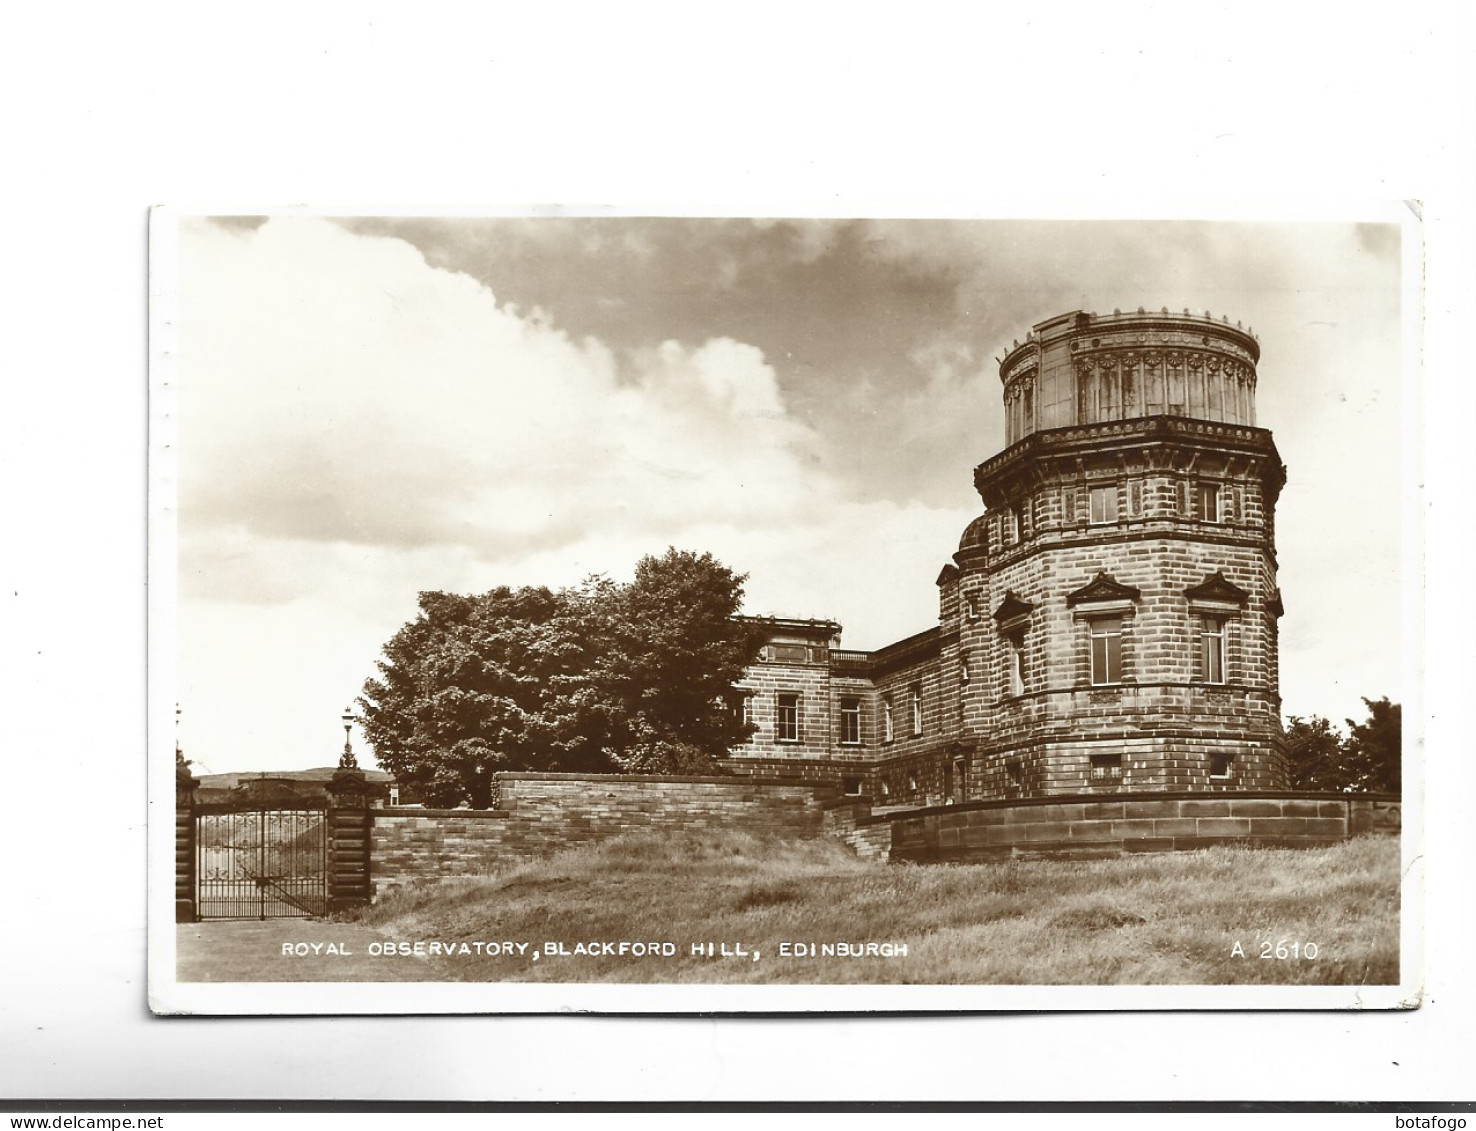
(261, 863)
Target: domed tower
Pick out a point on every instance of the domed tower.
(1118, 598)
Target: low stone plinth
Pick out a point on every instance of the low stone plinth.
(1111, 824)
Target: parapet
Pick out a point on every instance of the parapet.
(1080, 368)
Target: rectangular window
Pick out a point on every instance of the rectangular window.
(739, 706)
(850, 715)
(1106, 650)
(789, 718)
(960, 780)
(1209, 502)
(1104, 505)
(916, 709)
(851, 786)
(1106, 767)
(1015, 772)
(1219, 766)
(1016, 663)
(887, 732)
(972, 599)
(1212, 649)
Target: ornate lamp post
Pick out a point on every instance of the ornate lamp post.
(346, 760)
(349, 828)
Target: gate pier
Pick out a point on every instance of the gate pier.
(184, 842)
(349, 822)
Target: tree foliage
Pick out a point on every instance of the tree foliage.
(1367, 759)
(1314, 754)
(672, 655)
(597, 678)
(1374, 747)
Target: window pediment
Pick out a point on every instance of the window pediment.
(1217, 590)
(1012, 610)
(1103, 589)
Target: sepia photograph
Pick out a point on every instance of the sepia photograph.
(568, 558)
(670, 613)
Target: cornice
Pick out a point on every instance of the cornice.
(924, 645)
(1029, 456)
(1137, 530)
(819, 630)
(1141, 327)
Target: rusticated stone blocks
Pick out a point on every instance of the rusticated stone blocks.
(1169, 822)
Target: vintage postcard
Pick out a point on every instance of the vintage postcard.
(673, 613)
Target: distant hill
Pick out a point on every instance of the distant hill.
(279, 785)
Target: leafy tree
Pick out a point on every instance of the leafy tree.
(595, 679)
(479, 684)
(1314, 754)
(1368, 759)
(1375, 746)
(671, 658)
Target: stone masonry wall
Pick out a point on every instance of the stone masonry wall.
(1089, 826)
(549, 812)
(407, 845)
(914, 778)
(1163, 707)
(763, 683)
(540, 814)
(1166, 721)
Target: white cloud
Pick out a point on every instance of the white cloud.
(337, 388)
(357, 426)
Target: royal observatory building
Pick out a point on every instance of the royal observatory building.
(1108, 623)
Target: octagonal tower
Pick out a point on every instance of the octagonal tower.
(1118, 597)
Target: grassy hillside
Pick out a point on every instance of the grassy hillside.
(1171, 919)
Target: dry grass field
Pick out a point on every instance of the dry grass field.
(1161, 920)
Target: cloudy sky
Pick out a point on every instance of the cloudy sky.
(369, 408)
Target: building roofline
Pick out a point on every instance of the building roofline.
(1079, 321)
(793, 624)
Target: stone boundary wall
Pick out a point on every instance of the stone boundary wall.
(1167, 822)
(539, 814)
(543, 813)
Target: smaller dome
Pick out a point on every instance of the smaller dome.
(975, 536)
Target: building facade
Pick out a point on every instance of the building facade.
(1109, 622)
